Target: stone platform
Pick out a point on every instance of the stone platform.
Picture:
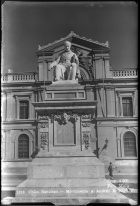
(67, 179)
(65, 82)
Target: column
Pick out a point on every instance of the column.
(110, 102)
(42, 65)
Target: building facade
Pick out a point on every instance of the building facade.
(111, 130)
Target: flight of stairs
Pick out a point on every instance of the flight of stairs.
(12, 175)
(126, 184)
(125, 178)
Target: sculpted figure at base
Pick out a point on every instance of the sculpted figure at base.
(66, 65)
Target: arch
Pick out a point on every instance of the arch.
(84, 73)
(23, 146)
(31, 144)
(129, 143)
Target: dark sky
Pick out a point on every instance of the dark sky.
(27, 25)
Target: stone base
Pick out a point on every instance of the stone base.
(67, 181)
(65, 82)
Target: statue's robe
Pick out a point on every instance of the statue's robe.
(67, 66)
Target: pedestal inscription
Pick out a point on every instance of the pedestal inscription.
(64, 128)
(65, 171)
(64, 134)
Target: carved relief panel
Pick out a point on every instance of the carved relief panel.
(85, 131)
(64, 128)
(43, 130)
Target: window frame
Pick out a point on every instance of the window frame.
(120, 94)
(31, 145)
(25, 101)
(122, 156)
(28, 147)
(124, 144)
(22, 97)
(127, 97)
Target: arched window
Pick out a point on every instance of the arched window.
(129, 141)
(23, 146)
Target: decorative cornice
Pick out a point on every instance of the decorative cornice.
(73, 34)
(43, 117)
(63, 118)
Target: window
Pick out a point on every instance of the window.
(129, 141)
(23, 146)
(24, 110)
(127, 106)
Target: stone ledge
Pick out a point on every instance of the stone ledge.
(60, 82)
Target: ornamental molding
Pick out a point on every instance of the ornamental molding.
(43, 125)
(73, 34)
(86, 124)
(43, 117)
(86, 139)
(63, 118)
(44, 137)
(118, 139)
(87, 117)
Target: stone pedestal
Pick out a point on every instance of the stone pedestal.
(66, 171)
(63, 178)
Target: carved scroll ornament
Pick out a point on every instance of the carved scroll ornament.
(86, 140)
(44, 140)
(43, 117)
(44, 124)
(87, 117)
(85, 124)
(63, 118)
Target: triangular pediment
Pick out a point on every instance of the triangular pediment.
(75, 39)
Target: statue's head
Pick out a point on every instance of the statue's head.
(67, 45)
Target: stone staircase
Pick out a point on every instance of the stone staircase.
(126, 184)
(124, 178)
(12, 175)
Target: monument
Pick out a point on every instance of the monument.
(65, 170)
(66, 64)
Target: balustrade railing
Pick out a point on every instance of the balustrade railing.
(125, 73)
(32, 76)
(19, 77)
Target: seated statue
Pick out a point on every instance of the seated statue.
(66, 66)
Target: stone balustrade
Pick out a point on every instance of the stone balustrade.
(125, 73)
(19, 77)
(32, 76)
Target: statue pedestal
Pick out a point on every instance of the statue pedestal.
(65, 171)
(65, 82)
(67, 179)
